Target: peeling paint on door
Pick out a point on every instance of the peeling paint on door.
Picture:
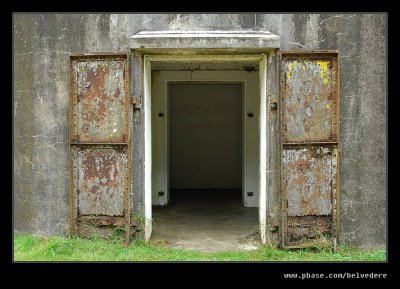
(310, 138)
(309, 106)
(100, 145)
(101, 99)
(309, 179)
(101, 181)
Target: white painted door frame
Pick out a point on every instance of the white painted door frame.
(148, 190)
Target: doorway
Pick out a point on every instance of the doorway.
(205, 157)
(160, 74)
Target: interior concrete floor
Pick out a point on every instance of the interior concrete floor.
(206, 220)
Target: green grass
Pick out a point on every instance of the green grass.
(31, 248)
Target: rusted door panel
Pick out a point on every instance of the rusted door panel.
(309, 146)
(309, 104)
(309, 180)
(101, 100)
(101, 180)
(305, 228)
(100, 144)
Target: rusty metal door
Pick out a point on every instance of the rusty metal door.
(309, 151)
(100, 145)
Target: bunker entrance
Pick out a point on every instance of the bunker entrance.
(290, 136)
(205, 166)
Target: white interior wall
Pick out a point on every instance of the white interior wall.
(205, 135)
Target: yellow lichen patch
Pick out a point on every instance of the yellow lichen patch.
(304, 65)
(291, 66)
(324, 70)
(328, 106)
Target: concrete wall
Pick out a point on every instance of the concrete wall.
(205, 136)
(43, 43)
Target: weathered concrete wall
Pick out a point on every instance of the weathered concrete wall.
(43, 43)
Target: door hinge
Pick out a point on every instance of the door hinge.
(135, 101)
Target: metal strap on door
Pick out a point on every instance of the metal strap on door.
(309, 152)
(100, 145)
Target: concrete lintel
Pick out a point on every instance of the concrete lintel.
(204, 39)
